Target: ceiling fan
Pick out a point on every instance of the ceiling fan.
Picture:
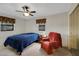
(26, 11)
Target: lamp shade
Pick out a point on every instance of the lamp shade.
(26, 14)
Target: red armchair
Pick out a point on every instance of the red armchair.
(53, 41)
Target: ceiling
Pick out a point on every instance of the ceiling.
(42, 9)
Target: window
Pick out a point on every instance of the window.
(6, 23)
(41, 27)
(6, 27)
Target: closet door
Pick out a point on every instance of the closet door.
(77, 16)
(72, 31)
(74, 28)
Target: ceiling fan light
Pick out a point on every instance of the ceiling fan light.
(26, 14)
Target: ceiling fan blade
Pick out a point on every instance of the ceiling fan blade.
(30, 14)
(33, 12)
(19, 11)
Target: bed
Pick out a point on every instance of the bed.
(19, 42)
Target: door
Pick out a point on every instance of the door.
(74, 28)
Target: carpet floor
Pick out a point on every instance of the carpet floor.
(33, 50)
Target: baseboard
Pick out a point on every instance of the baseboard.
(64, 47)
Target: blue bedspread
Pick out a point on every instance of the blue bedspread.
(19, 42)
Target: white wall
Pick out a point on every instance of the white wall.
(59, 23)
(19, 28)
(55, 23)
